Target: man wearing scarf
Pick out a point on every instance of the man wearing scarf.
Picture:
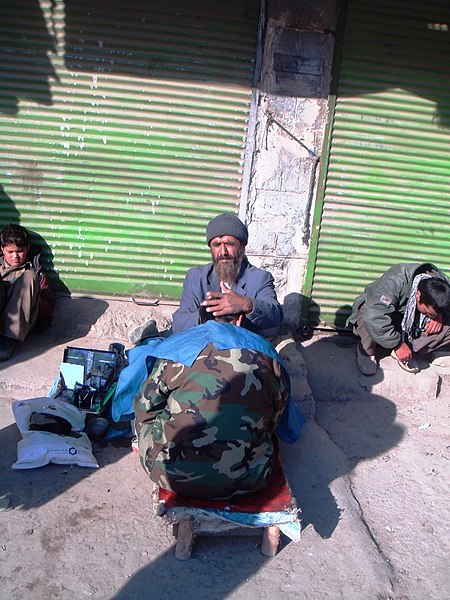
(406, 311)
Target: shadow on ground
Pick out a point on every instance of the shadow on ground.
(353, 425)
(208, 574)
(31, 488)
(71, 321)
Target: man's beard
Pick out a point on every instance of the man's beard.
(229, 271)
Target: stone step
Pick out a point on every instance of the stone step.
(333, 374)
(393, 382)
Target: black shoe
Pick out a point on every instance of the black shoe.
(7, 346)
(144, 331)
(367, 364)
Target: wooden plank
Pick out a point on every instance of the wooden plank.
(270, 541)
(185, 540)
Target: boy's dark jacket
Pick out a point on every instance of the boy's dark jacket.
(386, 300)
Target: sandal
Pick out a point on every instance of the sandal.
(411, 365)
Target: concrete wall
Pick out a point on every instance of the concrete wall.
(291, 114)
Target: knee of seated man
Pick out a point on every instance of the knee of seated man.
(28, 279)
(25, 288)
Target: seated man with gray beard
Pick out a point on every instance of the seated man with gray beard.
(229, 284)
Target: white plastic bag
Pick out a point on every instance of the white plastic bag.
(39, 448)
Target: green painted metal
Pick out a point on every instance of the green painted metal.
(387, 185)
(123, 128)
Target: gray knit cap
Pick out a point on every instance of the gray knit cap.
(226, 224)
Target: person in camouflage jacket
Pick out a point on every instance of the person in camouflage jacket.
(207, 430)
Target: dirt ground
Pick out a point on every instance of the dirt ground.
(370, 474)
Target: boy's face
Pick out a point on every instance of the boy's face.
(425, 309)
(14, 255)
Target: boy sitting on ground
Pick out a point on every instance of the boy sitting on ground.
(25, 294)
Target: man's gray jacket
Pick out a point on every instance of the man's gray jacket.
(256, 284)
(386, 299)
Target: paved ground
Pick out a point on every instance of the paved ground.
(370, 474)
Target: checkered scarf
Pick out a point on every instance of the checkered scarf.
(410, 312)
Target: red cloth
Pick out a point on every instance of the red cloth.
(276, 497)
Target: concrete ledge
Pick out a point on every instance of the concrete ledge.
(106, 317)
(334, 376)
(394, 382)
(443, 372)
(290, 352)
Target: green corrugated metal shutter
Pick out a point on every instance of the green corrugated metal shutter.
(387, 188)
(123, 128)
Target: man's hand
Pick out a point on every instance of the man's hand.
(403, 352)
(227, 302)
(434, 325)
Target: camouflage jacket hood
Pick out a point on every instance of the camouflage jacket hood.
(207, 431)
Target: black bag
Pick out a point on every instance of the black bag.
(50, 423)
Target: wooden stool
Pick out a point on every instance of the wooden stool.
(187, 531)
(270, 510)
